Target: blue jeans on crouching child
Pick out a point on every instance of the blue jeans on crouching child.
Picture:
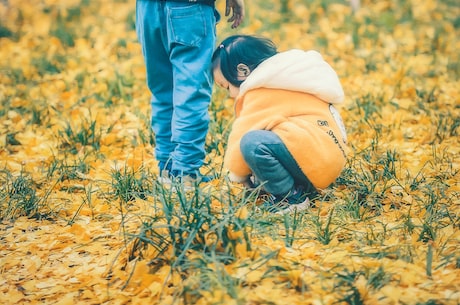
(177, 40)
(272, 164)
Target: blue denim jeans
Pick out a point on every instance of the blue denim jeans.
(177, 41)
(272, 164)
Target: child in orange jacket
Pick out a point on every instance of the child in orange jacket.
(287, 135)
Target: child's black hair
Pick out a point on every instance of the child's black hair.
(248, 50)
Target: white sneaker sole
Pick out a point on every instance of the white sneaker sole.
(175, 186)
(305, 205)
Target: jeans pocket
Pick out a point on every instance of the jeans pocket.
(187, 24)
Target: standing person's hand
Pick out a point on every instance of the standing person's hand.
(237, 8)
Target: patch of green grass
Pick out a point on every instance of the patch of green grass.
(128, 184)
(67, 168)
(45, 66)
(5, 32)
(62, 28)
(323, 227)
(368, 107)
(119, 88)
(447, 126)
(291, 227)
(19, 196)
(74, 137)
(86, 200)
(185, 230)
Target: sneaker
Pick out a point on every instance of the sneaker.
(191, 177)
(164, 177)
(296, 200)
(187, 181)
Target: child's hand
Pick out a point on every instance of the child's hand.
(237, 8)
(248, 183)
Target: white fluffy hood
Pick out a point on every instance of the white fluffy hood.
(297, 70)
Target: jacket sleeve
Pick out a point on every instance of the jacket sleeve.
(252, 114)
(233, 160)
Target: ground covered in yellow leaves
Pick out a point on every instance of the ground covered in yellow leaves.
(83, 219)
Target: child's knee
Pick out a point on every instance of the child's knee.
(249, 142)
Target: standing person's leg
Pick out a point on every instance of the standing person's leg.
(151, 31)
(191, 37)
(273, 165)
